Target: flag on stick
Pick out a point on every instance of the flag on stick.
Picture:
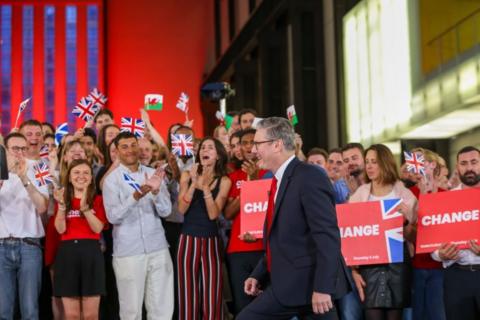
(135, 126)
(42, 174)
(182, 102)
(292, 115)
(61, 131)
(97, 98)
(182, 144)
(21, 108)
(226, 121)
(153, 102)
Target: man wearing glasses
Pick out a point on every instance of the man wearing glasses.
(302, 257)
(21, 205)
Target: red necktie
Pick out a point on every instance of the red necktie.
(270, 209)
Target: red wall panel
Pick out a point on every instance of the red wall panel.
(156, 47)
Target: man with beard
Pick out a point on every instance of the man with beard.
(354, 161)
(135, 200)
(462, 267)
(349, 306)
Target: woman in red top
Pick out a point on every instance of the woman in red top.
(79, 267)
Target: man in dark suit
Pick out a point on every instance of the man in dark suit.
(303, 259)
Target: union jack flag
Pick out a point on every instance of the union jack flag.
(61, 131)
(393, 236)
(182, 144)
(42, 174)
(97, 98)
(131, 182)
(86, 109)
(415, 162)
(182, 102)
(44, 150)
(135, 126)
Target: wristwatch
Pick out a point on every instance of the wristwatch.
(26, 184)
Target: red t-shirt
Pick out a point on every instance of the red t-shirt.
(235, 244)
(424, 260)
(77, 224)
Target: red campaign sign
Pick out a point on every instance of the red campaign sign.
(253, 206)
(452, 216)
(371, 232)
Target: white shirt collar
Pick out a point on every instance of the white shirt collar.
(281, 170)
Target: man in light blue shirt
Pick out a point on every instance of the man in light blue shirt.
(135, 199)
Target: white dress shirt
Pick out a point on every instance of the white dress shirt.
(18, 216)
(279, 173)
(137, 227)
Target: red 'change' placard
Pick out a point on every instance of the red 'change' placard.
(371, 232)
(253, 206)
(444, 217)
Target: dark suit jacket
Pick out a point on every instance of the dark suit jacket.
(304, 239)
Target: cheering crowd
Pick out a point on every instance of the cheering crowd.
(130, 226)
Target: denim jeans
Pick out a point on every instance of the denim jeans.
(350, 307)
(21, 264)
(427, 302)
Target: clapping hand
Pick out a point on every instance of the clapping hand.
(155, 181)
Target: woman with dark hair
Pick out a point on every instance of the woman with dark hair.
(105, 137)
(203, 193)
(79, 276)
(385, 289)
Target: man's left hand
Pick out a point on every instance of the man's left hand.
(321, 303)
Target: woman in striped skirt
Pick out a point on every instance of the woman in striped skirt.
(203, 193)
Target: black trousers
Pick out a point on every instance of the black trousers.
(267, 307)
(240, 266)
(461, 293)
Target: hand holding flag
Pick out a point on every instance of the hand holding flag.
(224, 120)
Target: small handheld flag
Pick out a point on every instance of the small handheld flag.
(21, 108)
(42, 174)
(61, 131)
(86, 109)
(226, 121)
(44, 151)
(182, 102)
(415, 162)
(131, 182)
(97, 98)
(182, 144)
(135, 126)
(292, 115)
(153, 102)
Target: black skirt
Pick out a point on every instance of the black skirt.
(388, 285)
(79, 269)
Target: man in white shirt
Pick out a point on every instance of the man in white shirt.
(141, 260)
(462, 274)
(21, 205)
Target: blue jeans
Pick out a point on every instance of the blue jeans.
(20, 263)
(427, 302)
